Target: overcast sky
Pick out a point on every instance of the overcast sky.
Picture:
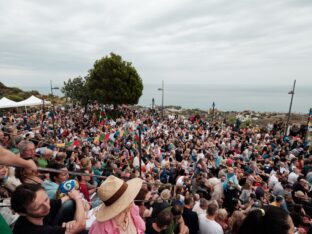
(179, 41)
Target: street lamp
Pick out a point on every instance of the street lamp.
(52, 88)
(162, 89)
(292, 92)
(213, 110)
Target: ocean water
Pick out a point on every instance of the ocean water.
(229, 97)
(264, 98)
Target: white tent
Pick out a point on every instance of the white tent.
(7, 103)
(32, 101)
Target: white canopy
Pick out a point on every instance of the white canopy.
(32, 101)
(7, 103)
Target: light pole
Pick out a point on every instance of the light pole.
(213, 110)
(54, 133)
(153, 103)
(162, 89)
(292, 92)
(52, 88)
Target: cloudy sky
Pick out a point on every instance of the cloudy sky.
(179, 41)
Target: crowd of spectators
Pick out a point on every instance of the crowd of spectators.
(89, 172)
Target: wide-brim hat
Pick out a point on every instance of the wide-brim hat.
(116, 195)
(165, 194)
(299, 194)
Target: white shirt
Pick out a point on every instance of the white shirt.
(272, 181)
(198, 209)
(199, 156)
(180, 181)
(149, 166)
(164, 162)
(292, 178)
(136, 162)
(207, 226)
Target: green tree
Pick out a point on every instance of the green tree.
(114, 81)
(76, 90)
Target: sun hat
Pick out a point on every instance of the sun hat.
(165, 194)
(116, 195)
(299, 194)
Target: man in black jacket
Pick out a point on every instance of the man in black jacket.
(190, 217)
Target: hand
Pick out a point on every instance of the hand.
(301, 231)
(31, 165)
(70, 226)
(74, 194)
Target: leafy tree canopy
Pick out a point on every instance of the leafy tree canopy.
(114, 81)
(76, 90)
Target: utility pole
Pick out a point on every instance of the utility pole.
(292, 92)
(213, 110)
(162, 89)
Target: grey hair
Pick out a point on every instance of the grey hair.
(23, 144)
(203, 202)
(196, 197)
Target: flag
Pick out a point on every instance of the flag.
(102, 137)
(117, 134)
(112, 137)
(106, 137)
(136, 138)
(76, 143)
(69, 143)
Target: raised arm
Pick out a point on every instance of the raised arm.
(10, 159)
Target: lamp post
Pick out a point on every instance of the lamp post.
(53, 122)
(162, 89)
(52, 88)
(292, 92)
(213, 110)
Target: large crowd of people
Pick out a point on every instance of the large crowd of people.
(77, 171)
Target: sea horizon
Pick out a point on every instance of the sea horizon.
(229, 97)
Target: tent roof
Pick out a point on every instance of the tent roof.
(32, 101)
(7, 103)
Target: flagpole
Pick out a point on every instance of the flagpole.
(140, 150)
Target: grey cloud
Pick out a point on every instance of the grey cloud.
(178, 40)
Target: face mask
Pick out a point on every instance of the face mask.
(230, 174)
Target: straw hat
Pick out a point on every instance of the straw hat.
(117, 195)
(165, 194)
(299, 194)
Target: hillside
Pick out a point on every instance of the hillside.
(16, 94)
